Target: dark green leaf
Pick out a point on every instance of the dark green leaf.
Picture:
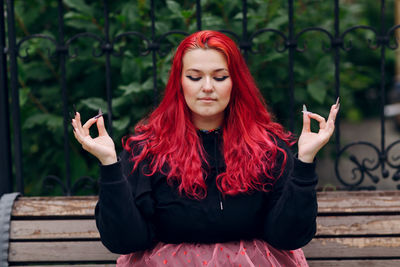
(95, 103)
(80, 6)
(317, 90)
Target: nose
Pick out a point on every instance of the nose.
(207, 84)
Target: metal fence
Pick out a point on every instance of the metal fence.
(363, 168)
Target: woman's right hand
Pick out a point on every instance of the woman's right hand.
(102, 147)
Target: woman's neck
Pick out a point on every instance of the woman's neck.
(207, 123)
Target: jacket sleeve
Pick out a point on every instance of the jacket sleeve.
(290, 221)
(124, 207)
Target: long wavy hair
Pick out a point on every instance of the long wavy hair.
(169, 141)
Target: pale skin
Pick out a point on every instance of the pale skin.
(206, 86)
(207, 96)
(102, 147)
(310, 143)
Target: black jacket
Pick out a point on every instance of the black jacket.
(135, 211)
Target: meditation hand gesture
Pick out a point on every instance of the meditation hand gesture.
(102, 147)
(310, 143)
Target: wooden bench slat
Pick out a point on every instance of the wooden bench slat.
(59, 252)
(53, 229)
(328, 202)
(326, 225)
(354, 263)
(368, 247)
(358, 225)
(95, 251)
(359, 202)
(360, 194)
(55, 206)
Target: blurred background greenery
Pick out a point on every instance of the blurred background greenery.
(132, 77)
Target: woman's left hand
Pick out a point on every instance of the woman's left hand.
(310, 143)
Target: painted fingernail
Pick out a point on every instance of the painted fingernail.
(98, 115)
(74, 107)
(305, 111)
(71, 116)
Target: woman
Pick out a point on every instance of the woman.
(208, 179)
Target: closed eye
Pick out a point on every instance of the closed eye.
(193, 78)
(220, 79)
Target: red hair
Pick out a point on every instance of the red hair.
(170, 141)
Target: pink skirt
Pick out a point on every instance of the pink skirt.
(252, 253)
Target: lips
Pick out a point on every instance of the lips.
(207, 99)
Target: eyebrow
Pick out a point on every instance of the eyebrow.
(217, 70)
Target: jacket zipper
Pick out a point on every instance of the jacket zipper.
(220, 201)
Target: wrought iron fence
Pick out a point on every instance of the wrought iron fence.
(10, 47)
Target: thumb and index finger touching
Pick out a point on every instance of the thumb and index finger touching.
(329, 124)
(83, 131)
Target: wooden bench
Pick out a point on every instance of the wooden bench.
(354, 229)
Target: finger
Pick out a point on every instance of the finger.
(87, 125)
(78, 118)
(334, 111)
(306, 122)
(78, 137)
(330, 126)
(320, 119)
(331, 120)
(78, 123)
(75, 125)
(100, 127)
(86, 142)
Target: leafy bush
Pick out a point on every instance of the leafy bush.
(132, 73)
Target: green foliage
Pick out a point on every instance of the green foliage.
(132, 74)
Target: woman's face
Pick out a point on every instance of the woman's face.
(206, 86)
